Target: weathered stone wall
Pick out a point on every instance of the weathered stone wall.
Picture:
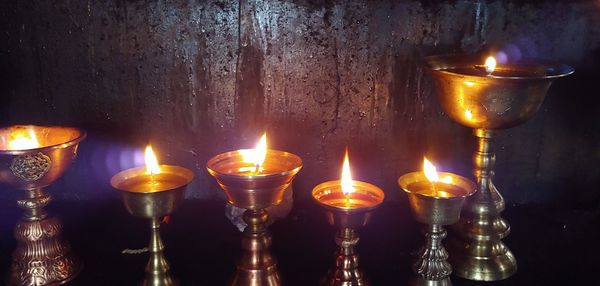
(200, 77)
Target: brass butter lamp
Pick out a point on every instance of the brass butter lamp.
(32, 158)
(436, 199)
(349, 205)
(255, 179)
(153, 192)
(478, 93)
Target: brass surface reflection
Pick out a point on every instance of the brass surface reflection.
(487, 101)
(32, 158)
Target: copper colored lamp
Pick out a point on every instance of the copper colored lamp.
(32, 158)
(349, 205)
(255, 186)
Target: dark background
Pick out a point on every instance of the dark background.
(196, 78)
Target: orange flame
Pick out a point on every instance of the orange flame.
(152, 166)
(431, 173)
(346, 180)
(257, 155)
(490, 64)
(23, 139)
(468, 114)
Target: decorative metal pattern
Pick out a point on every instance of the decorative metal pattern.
(431, 264)
(31, 167)
(39, 201)
(42, 256)
(435, 210)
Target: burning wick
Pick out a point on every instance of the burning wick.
(433, 177)
(346, 180)
(152, 166)
(151, 161)
(22, 140)
(261, 153)
(489, 66)
(430, 172)
(257, 155)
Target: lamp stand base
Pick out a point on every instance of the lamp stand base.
(42, 257)
(346, 271)
(257, 267)
(431, 266)
(500, 266)
(476, 248)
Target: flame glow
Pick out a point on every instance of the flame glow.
(152, 166)
(257, 155)
(22, 140)
(446, 180)
(431, 173)
(346, 180)
(468, 114)
(490, 64)
(443, 194)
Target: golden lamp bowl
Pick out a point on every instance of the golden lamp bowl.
(343, 213)
(152, 203)
(27, 169)
(439, 209)
(505, 98)
(256, 191)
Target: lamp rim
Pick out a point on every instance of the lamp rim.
(82, 134)
(553, 69)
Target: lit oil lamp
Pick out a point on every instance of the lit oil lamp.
(436, 199)
(32, 158)
(255, 179)
(486, 98)
(349, 205)
(152, 192)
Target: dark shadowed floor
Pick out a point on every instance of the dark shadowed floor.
(554, 246)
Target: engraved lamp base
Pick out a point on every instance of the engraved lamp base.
(42, 257)
(431, 266)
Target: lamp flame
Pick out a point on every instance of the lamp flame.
(431, 173)
(468, 114)
(346, 180)
(490, 64)
(257, 155)
(23, 140)
(152, 167)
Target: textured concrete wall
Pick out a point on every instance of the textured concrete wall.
(200, 77)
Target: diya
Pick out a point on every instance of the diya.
(32, 158)
(254, 179)
(348, 205)
(436, 199)
(153, 192)
(488, 97)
